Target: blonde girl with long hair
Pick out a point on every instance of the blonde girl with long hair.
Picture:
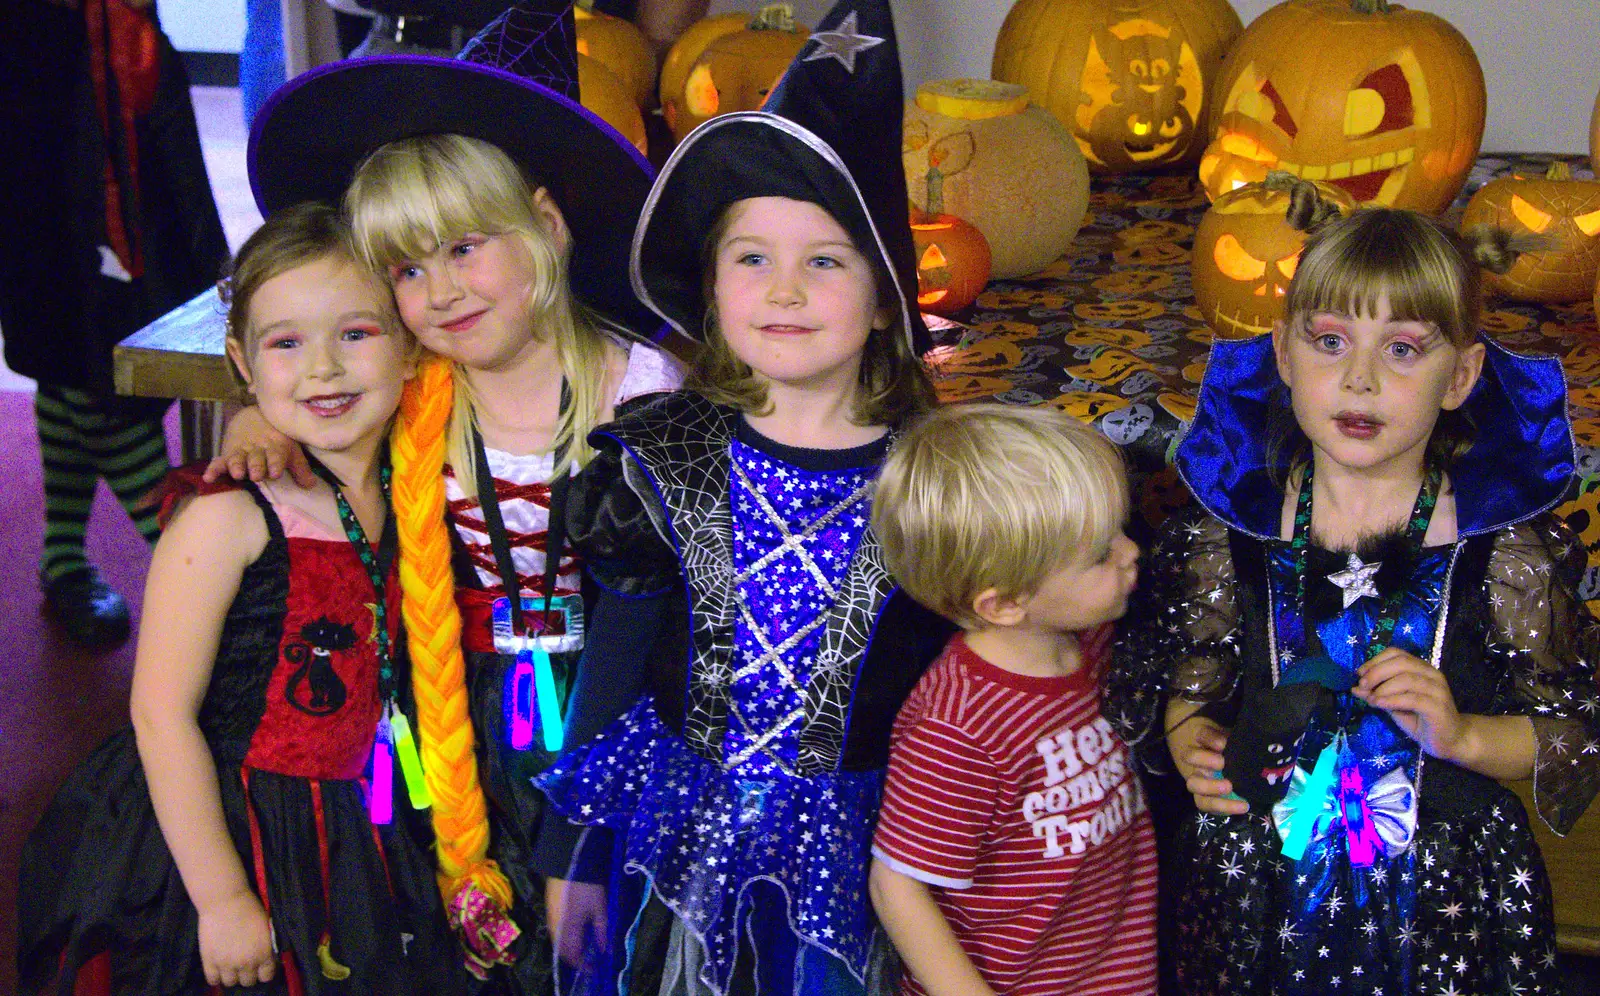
(502, 235)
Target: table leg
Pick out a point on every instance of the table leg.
(200, 426)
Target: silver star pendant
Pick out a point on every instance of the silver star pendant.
(842, 44)
(1357, 580)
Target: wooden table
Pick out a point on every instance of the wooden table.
(180, 355)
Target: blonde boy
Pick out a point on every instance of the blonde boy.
(1013, 853)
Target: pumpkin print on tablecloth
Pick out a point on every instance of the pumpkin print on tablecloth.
(1557, 207)
(977, 150)
(1130, 78)
(1118, 311)
(960, 388)
(1247, 246)
(1086, 406)
(1383, 102)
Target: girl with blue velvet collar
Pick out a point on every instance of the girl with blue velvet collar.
(1376, 620)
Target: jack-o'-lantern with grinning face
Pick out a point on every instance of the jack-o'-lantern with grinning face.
(1560, 209)
(1245, 252)
(1385, 103)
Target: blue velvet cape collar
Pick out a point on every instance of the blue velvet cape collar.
(1520, 464)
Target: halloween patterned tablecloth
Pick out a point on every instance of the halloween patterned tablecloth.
(1111, 334)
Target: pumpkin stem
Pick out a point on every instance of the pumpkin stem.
(1370, 6)
(587, 6)
(773, 17)
(1558, 170)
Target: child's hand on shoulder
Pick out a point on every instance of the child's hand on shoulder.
(236, 941)
(1416, 695)
(1196, 743)
(253, 450)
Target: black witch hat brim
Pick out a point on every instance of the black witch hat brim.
(318, 128)
(730, 158)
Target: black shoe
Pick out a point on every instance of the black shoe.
(91, 611)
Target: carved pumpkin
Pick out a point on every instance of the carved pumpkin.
(604, 93)
(736, 71)
(683, 53)
(1594, 136)
(1382, 102)
(1245, 251)
(975, 149)
(952, 262)
(619, 46)
(1130, 78)
(1557, 207)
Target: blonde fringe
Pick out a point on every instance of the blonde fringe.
(433, 628)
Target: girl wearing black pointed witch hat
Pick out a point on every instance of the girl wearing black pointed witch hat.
(736, 769)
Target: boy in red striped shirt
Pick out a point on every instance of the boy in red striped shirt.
(1013, 854)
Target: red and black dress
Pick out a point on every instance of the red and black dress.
(290, 716)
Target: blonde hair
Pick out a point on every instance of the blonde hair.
(294, 237)
(896, 386)
(414, 195)
(983, 496)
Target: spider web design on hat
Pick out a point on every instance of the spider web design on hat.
(537, 41)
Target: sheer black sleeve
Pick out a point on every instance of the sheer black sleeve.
(1181, 635)
(616, 524)
(1546, 643)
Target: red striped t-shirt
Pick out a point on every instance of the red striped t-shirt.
(1013, 798)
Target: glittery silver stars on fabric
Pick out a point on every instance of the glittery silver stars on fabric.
(842, 44)
(1358, 580)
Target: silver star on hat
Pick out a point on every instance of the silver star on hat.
(842, 44)
(1357, 580)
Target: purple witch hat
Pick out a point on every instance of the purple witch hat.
(515, 86)
(829, 133)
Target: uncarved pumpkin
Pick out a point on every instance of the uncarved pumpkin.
(604, 93)
(977, 150)
(1383, 102)
(619, 46)
(1557, 207)
(953, 262)
(737, 70)
(1130, 78)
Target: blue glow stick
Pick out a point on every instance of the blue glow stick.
(1319, 785)
(549, 709)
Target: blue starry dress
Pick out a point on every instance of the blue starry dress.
(749, 822)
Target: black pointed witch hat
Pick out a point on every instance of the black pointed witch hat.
(829, 133)
(514, 85)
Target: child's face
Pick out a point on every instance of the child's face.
(323, 368)
(1091, 589)
(471, 300)
(795, 297)
(1367, 390)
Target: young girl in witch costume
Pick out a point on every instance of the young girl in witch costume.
(232, 837)
(1376, 621)
(500, 213)
(737, 777)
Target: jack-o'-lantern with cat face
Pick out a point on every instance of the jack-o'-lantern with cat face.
(1246, 248)
(1561, 210)
(1383, 102)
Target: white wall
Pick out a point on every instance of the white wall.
(1541, 61)
(203, 25)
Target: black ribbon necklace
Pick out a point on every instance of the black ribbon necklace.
(1358, 580)
(377, 563)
